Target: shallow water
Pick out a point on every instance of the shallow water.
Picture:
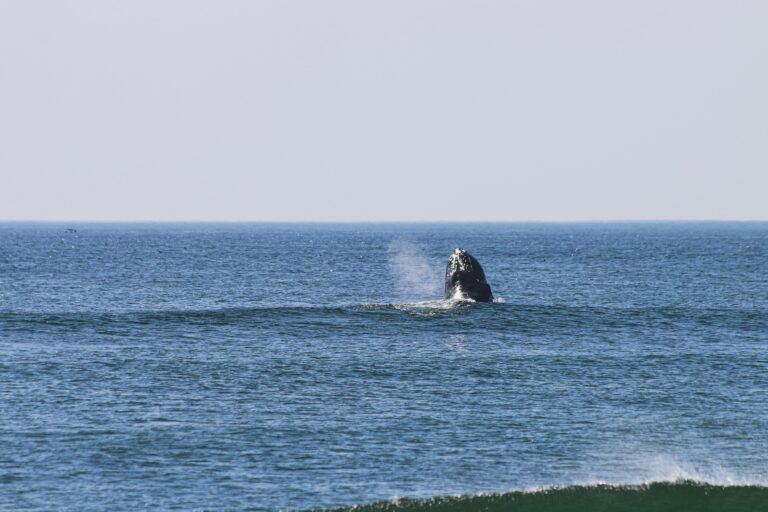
(274, 366)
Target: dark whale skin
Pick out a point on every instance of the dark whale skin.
(465, 278)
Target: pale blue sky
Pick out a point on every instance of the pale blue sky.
(389, 110)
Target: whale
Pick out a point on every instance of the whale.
(465, 278)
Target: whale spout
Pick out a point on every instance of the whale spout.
(465, 278)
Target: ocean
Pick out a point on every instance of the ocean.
(250, 366)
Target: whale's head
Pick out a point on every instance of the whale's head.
(464, 277)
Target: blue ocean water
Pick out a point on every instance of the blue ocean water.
(301, 366)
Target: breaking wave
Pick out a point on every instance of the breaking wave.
(673, 496)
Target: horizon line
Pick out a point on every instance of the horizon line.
(365, 221)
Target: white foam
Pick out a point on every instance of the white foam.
(638, 465)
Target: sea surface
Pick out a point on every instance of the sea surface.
(624, 366)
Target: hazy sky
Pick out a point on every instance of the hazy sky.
(387, 110)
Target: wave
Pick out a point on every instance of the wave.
(501, 315)
(676, 496)
(221, 315)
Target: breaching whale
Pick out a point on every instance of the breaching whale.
(464, 278)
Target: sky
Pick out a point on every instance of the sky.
(397, 110)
